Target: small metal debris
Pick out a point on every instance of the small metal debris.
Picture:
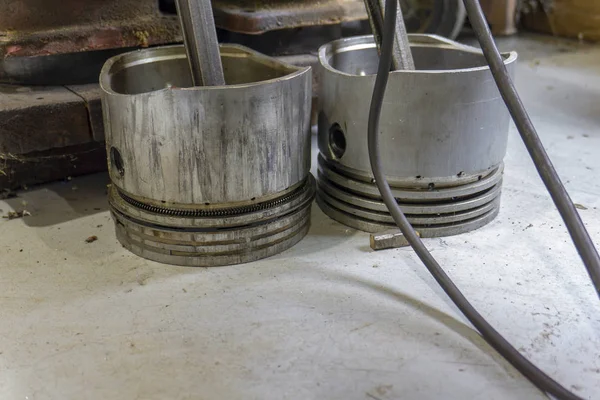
(91, 239)
(17, 214)
(391, 239)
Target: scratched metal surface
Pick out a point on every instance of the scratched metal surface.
(191, 146)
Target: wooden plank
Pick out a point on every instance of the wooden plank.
(49, 133)
(41, 118)
(91, 96)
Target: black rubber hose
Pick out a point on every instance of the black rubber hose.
(562, 200)
(495, 339)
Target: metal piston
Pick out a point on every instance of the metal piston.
(207, 176)
(444, 133)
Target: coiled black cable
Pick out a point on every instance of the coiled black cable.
(493, 337)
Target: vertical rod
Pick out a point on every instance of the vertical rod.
(402, 56)
(200, 37)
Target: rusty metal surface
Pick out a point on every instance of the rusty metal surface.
(50, 27)
(255, 17)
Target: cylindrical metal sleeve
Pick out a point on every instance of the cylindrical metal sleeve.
(445, 119)
(180, 146)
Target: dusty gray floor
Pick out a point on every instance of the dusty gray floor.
(328, 319)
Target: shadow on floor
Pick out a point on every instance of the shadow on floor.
(59, 202)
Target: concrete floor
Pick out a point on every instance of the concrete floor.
(328, 319)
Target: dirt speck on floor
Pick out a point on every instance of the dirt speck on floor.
(91, 239)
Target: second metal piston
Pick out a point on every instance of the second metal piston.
(444, 133)
(207, 176)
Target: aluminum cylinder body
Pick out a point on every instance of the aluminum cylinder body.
(207, 176)
(444, 132)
